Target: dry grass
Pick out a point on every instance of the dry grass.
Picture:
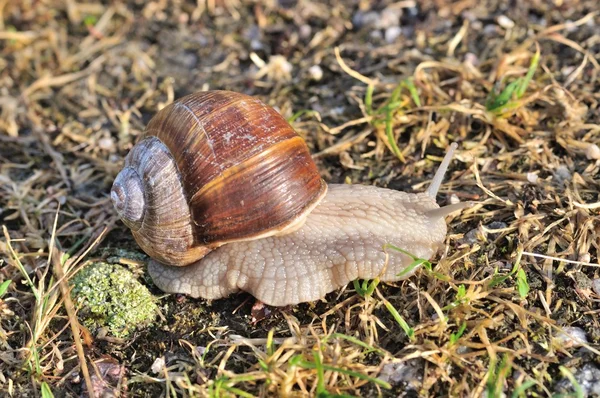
(79, 81)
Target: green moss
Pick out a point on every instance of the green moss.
(109, 295)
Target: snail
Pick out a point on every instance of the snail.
(223, 195)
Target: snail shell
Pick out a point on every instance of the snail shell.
(212, 168)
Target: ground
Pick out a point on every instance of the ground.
(379, 91)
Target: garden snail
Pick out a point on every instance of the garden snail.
(222, 193)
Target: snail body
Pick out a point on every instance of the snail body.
(223, 195)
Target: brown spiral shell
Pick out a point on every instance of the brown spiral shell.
(240, 169)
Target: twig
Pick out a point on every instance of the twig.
(351, 72)
(560, 259)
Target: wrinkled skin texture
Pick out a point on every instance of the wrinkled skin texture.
(341, 240)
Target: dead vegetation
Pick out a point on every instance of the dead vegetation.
(510, 305)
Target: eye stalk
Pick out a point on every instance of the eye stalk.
(127, 195)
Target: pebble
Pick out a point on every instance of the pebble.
(471, 236)
(532, 177)
(315, 72)
(562, 174)
(596, 286)
(107, 144)
(305, 31)
(505, 22)
(392, 33)
(588, 378)
(362, 19)
(158, 365)
(472, 59)
(571, 337)
(376, 35)
(403, 372)
(389, 17)
(497, 225)
(592, 152)
(490, 30)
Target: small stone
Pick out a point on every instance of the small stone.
(490, 30)
(587, 377)
(585, 258)
(200, 350)
(315, 72)
(562, 174)
(592, 152)
(305, 31)
(532, 177)
(571, 337)
(471, 236)
(362, 19)
(469, 16)
(256, 45)
(454, 199)
(596, 286)
(158, 365)
(107, 144)
(392, 33)
(505, 22)
(389, 17)
(471, 59)
(497, 225)
(403, 372)
(376, 35)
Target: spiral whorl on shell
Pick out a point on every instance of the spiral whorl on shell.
(214, 167)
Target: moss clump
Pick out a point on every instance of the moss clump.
(110, 296)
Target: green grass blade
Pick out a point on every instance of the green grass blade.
(320, 372)
(46, 391)
(454, 337)
(412, 266)
(522, 388)
(22, 269)
(372, 286)
(390, 136)
(522, 285)
(407, 329)
(4, 287)
(270, 349)
(298, 361)
(296, 115)
(358, 375)
(358, 288)
(530, 72)
(238, 392)
(578, 390)
(412, 89)
(358, 342)
(502, 99)
(369, 99)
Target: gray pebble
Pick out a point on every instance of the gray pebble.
(588, 378)
(392, 33)
(403, 372)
